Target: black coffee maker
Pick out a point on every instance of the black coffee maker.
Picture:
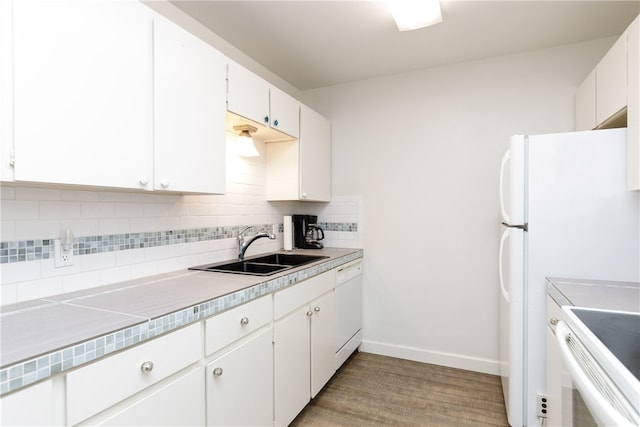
(306, 233)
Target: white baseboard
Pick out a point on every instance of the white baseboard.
(451, 360)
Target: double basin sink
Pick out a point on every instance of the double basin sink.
(265, 265)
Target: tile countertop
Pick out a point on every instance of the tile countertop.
(43, 337)
(598, 294)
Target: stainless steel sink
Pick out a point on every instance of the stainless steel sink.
(264, 265)
(293, 260)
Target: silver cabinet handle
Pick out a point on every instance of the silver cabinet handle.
(553, 321)
(316, 309)
(309, 313)
(146, 367)
(244, 321)
(217, 372)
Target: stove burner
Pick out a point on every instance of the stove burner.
(619, 332)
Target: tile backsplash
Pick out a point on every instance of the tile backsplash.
(126, 235)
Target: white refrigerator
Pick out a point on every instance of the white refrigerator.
(566, 213)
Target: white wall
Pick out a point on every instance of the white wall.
(423, 150)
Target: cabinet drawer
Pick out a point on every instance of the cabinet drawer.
(179, 403)
(231, 325)
(106, 382)
(297, 295)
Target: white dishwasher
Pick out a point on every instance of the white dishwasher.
(349, 308)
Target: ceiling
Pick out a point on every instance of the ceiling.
(313, 44)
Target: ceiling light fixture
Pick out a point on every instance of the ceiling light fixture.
(414, 14)
(244, 142)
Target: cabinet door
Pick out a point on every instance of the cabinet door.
(247, 94)
(189, 111)
(32, 406)
(82, 92)
(285, 112)
(586, 103)
(292, 366)
(179, 403)
(6, 91)
(323, 341)
(611, 81)
(240, 385)
(315, 156)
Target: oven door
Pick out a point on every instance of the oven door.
(589, 396)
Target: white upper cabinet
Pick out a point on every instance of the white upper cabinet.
(6, 91)
(189, 111)
(611, 81)
(285, 112)
(255, 99)
(610, 96)
(301, 170)
(82, 93)
(315, 156)
(247, 94)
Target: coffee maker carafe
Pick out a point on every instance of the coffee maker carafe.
(306, 232)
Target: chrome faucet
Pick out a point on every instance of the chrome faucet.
(243, 246)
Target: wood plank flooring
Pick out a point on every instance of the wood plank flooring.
(374, 390)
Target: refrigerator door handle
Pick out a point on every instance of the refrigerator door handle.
(503, 165)
(505, 236)
(524, 226)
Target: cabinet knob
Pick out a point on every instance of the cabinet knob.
(553, 321)
(309, 313)
(217, 372)
(266, 119)
(275, 122)
(316, 309)
(147, 366)
(143, 180)
(244, 321)
(164, 183)
(304, 195)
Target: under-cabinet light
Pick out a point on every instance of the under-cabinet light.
(244, 141)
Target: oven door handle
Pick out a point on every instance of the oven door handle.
(601, 408)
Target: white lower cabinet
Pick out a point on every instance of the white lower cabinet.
(323, 341)
(304, 344)
(554, 367)
(178, 403)
(107, 382)
(292, 379)
(240, 384)
(32, 406)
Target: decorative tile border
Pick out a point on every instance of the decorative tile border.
(31, 250)
(339, 226)
(28, 372)
(25, 250)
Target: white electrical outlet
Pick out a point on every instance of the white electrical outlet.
(542, 404)
(61, 257)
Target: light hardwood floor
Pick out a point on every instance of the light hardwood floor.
(373, 390)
